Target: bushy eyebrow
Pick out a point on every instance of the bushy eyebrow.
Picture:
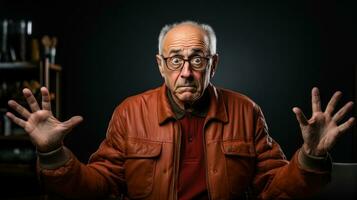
(175, 51)
(193, 51)
(197, 51)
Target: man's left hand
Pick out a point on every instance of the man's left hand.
(321, 131)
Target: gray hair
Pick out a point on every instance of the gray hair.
(207, 28)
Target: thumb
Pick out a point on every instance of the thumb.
(300, 116)
(73, 122)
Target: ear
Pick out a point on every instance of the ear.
(160, 64)
(215, 59)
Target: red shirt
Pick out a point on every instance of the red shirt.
(192, 173)
(191, 183)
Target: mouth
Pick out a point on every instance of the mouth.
(186, 88)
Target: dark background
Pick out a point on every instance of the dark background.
(273, 52)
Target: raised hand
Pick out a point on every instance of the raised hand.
(321, 131)
(45, 131)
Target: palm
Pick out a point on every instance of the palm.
(45, 131)
(320, 132)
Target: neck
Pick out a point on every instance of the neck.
(198, 107)
(186, 106)
(189, 106)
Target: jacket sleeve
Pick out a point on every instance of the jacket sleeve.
(103, 176)
(277, 178)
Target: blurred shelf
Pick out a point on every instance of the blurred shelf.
(26, 65)
(23, 137)
(18, 65)
(55, 67)
(9, 169)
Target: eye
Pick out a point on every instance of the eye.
(196, 60)
(176, 60)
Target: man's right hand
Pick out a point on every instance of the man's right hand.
(45, 131)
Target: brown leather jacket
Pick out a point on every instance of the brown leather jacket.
(140, 155)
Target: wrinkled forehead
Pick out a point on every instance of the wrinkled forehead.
(186, 39)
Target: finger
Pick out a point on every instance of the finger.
(16, 120)
(347, 125)
(46, 100)
(31, 100)
(332, 103)
(300, 116)
(315, 100)
(71, 123)
(342, 112)
(19, 109)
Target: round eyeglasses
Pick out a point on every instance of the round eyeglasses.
(198, 63)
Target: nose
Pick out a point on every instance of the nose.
(186, 71)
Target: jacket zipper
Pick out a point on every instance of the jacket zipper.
(177, 161)
(206, 163)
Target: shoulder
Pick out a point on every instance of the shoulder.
(239, 103)
(139, 100)
(237, 98)
(144, 96)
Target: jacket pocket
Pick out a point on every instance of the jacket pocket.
(140, 164)
(240, 165)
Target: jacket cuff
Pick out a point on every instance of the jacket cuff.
(315, 163)
(54, 159)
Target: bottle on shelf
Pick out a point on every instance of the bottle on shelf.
(15, 43)
(4, 54)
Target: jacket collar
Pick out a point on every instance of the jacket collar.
(217, 109)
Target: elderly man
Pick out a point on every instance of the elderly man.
(186, 139)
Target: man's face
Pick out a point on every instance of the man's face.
(186, 85)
